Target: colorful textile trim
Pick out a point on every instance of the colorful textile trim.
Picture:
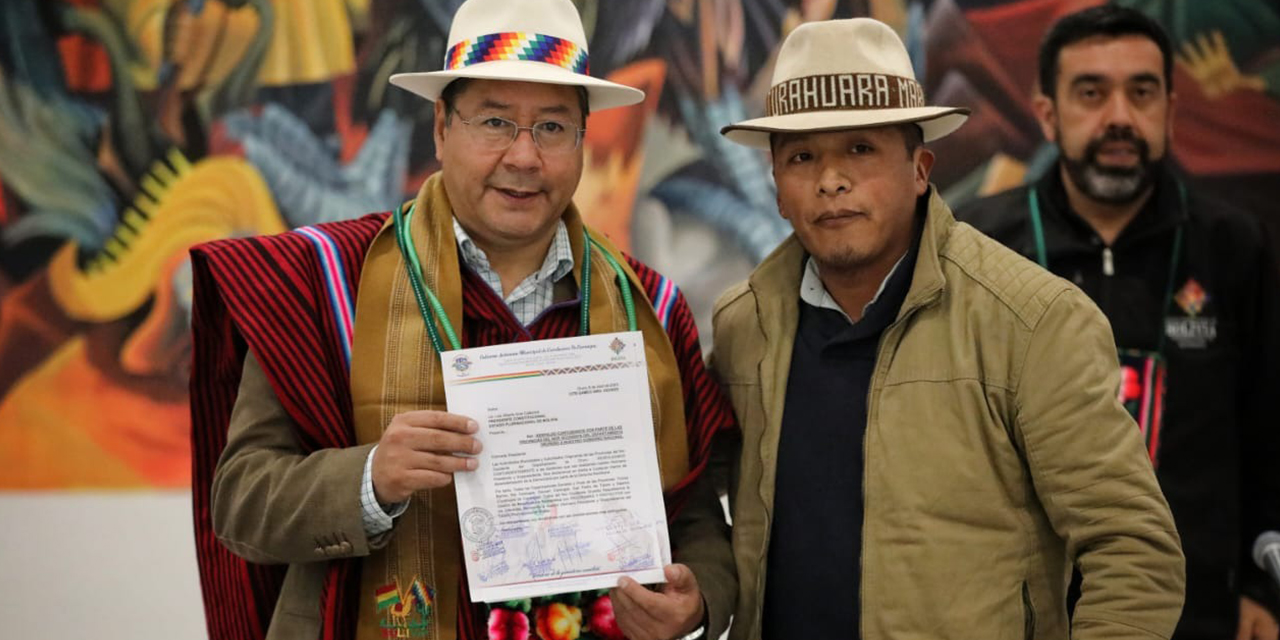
(533, 47)
(570, 616)
(388, 596)
(335, 281)
(665, 301)
(408, 612)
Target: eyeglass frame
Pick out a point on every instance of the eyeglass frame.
(533, 131)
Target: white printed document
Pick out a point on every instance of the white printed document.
(567, 495)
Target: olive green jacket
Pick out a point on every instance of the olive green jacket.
(996, 454)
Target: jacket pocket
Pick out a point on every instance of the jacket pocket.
(1028, 613)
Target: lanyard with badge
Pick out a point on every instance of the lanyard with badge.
(1143, 373)
(431, 309)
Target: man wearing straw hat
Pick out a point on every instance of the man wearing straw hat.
(930, 430)
(322, 443)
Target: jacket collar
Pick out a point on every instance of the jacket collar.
(927, 280)
(1066, 230)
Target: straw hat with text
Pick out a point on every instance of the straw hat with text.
(844, 74)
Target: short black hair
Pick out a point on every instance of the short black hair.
(449, 96)
(912, 137)
(1103, 20)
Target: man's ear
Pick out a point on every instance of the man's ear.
(774, 168)
(438, 125)
(924, 165)
(1046, 115)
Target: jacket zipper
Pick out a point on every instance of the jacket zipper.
(866, 467)
(764, 566)
(764, 546)
(1108, 273)
(1028, 613)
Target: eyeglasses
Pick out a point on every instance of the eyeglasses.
(496, 134)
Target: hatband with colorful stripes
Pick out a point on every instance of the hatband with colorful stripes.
(534, 47)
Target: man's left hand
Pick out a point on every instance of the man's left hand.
(673, 611)
(1256, 623)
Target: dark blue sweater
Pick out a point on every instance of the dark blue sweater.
(813, 576)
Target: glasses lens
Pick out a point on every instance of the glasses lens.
(555, 136)
(494, 132)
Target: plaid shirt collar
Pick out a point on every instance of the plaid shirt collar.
(535, 293)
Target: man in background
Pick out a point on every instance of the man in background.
(1190, 290)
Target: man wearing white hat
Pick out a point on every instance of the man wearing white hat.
(931, 435)
(322, 444)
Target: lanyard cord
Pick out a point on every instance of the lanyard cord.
(421, 291)
(624, 285)
(432, 311)
(1042, 254)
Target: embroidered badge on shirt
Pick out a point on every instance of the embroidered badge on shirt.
(1192, 297)
(1192, 331)
(407, 613)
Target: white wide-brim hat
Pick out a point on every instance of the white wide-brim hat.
(519, 40)
(844, 74)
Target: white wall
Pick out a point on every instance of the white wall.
(111, 566)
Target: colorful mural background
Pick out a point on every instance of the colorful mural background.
(133, 129)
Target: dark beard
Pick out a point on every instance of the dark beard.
(1112, 185)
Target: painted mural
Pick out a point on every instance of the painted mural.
(131, 130)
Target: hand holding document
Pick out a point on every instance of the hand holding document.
(567, 495)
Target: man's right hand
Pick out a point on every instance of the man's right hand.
(417, 450)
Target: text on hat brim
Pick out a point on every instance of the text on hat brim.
(844, 92)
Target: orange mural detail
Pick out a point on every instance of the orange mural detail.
(69, 424)
(614, 154)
